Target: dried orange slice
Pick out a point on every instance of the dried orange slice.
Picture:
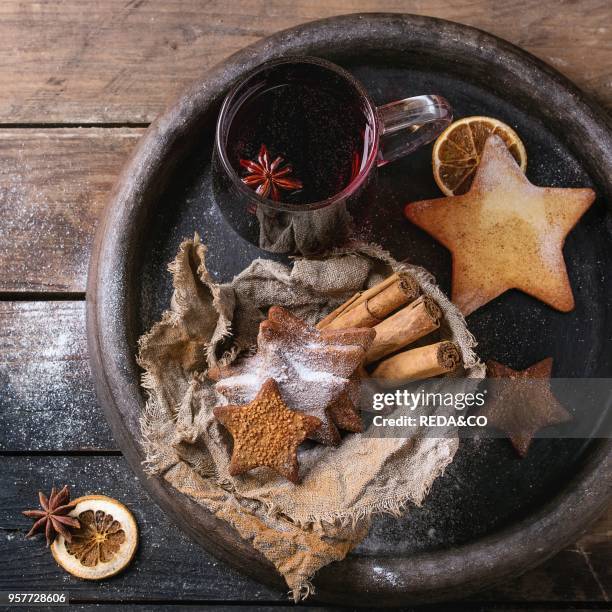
(456, 153)
(103, 545)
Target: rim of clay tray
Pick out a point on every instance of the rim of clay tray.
(111, 316)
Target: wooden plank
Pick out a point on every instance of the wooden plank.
(238, 606)
(168, 566)
(53, 186)
(47, 400)
(462, 606)
(565, 577)
(48, 403)
(596, 548)
(118, 61)
(582, 572)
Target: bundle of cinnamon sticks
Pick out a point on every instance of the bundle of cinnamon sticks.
(400, 315)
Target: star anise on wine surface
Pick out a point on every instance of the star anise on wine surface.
(52, 517)
(267, 177)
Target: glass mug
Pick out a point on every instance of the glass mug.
(298, 141)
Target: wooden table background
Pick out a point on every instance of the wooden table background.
(79, 83)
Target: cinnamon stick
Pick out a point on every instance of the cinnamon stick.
(371, 311)
(404, 277)
(419, 363)
(399, 288)
(325, 321)
(406, 326)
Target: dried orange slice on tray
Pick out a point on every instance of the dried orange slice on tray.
(456, 153)
(104, 544)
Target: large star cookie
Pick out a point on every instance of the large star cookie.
(316, 371)
(504, 233)
(266, 433)
(522, 402)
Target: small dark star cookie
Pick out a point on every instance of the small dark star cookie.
(523, 403)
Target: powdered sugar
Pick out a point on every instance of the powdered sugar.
(303, 383)
(306, 373)
(311, 370)
(46, 396)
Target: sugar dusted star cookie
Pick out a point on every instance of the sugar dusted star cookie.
(315, 371)
(266, 433)
(504, 233)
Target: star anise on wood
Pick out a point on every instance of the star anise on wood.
(52, 518)
(269, 177)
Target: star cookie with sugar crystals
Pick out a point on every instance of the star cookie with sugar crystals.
(504, 233)
(266, 433)
(316, 371)
(523, 402)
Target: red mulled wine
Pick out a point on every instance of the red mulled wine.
(304, 135)
(299, 135)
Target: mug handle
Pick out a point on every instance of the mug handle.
(406, 125)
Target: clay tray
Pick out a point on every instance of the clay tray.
(491, 515)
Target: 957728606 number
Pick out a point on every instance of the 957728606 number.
(38, 598)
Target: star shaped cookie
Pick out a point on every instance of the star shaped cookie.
(266, 433)
(522, 403)
(316, 371)
(504, 233)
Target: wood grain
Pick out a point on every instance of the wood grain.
(169, 566)
(118, 61)
(48, 404)
(53, 187)
(47, 400)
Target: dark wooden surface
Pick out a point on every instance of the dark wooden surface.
(79, 81)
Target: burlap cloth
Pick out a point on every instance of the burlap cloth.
(299, 528)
